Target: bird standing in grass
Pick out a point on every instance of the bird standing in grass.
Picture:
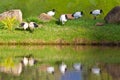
(51, 13)
(77, 15)
(24, 25)
(32, 25)
(63, 18)
(96, 12)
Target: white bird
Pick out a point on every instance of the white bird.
(32, 26)
(31, 61)
(28, 60)
(96, 70)
(63, 68)
(50, 70)
(96, 12)
(63, 18)
(24, 25)
(25, 61)
(77, 66)
(77, 15)
(51, 13)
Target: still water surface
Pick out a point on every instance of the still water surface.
(107, 59)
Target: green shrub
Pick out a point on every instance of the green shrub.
(9, 23)
(33, 19)
(8, 62)
(1, 25)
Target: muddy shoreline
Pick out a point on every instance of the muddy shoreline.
(92, 43)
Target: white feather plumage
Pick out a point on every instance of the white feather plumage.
(51, 13)
(96, 12)
(63, 68)
(77, 66)
(50, 70)
(63, 18)
(24, 25)
(77, 15)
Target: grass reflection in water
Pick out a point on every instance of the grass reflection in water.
(88, 56)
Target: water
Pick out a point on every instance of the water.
(107, 59)
(72, 75)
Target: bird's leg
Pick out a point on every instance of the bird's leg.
(63, 22)
(25, 31)
(94, 17)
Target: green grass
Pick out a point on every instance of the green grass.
(81, 29)
(34, 8)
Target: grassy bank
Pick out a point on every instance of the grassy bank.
(81, 31)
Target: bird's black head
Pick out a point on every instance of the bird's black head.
(21, 61)
(36, 25)
(82, 13)
(22, 24)
(53, 10)
(66, 16)
(73, 14)
(65, 69)
(53, 72)
(90, 12)
(101, 11)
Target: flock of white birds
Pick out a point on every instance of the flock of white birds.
(62, 67)
(29, 60)
(63, 18)
(31, 25)
(50, 69)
